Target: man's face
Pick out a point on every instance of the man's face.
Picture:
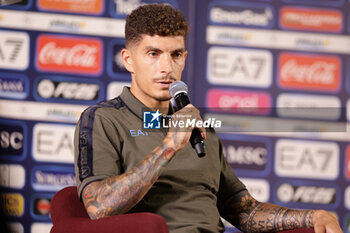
(155, 62)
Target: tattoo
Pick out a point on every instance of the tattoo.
(117, 195)
(249, 215)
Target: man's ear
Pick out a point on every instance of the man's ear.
(127, 60)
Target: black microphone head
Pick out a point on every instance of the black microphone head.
(178, 87)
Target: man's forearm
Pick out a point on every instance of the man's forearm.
(250, 215)
(117, 195)
(267, 217)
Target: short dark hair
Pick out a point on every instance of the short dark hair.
(154, 19)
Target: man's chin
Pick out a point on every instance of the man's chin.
(163, 98)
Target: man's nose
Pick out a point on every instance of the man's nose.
(166, 63)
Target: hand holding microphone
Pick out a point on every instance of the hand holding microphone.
(178, 90)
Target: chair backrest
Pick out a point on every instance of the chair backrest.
(66, 204)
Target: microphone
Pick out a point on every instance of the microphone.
(178, 90)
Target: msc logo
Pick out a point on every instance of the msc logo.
(239, 67)
(246, 155)
(310, 194)
(12, 140)
(307, 159)
(14, 50)
(151, 120)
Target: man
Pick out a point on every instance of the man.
(121, 168)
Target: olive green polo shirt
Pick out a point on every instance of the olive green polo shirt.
(110, 140)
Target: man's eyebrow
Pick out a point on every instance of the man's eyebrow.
(181, 50)
(151, 48)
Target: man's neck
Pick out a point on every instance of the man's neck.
(152, 103)
(163, 106)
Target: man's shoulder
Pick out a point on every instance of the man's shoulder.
(116, 103)
(104, 108)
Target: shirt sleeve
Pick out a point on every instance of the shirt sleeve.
(229, 182)
(97, 149)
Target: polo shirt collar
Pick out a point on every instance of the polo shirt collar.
(135, 105)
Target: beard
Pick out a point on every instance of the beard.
(162, 98)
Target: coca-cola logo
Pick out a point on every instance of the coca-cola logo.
(69, 55)
(309, 72)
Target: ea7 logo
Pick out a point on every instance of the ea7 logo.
(14, 50)
(306, 194)
(307, 159)
(241, 67)
(53, 143)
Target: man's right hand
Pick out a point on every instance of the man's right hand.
(177, 136)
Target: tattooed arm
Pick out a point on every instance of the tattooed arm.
(118, 194)
(249, 215)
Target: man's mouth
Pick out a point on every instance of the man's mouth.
(165, 83)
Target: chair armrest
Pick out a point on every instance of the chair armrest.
(126, 223)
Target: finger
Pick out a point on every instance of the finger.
(319, 229)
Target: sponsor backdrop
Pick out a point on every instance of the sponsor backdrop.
(263, 67)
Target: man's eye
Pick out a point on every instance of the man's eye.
(179, 54)
(152, 54)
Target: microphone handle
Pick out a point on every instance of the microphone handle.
(196, 139)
